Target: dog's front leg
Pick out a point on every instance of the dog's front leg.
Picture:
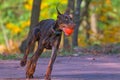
(51, 62)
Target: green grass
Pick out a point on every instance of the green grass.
(11, 56)
(20, 56)
(65, 53)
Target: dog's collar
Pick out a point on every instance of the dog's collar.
(56, 32)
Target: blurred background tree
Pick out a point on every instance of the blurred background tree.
(69, 10)
(35, 14)
(99, 21)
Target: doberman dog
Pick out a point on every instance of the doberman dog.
(48, 35)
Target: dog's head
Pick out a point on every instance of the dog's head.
(65, 23)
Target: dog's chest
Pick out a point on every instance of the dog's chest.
(49, 42)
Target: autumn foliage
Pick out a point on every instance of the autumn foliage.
(15, 21)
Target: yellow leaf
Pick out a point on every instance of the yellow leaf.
(108, 2)
(25, 24)
(28, 7)
(44, 5)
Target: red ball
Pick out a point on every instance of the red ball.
(68, 31)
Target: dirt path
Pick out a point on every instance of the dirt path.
(67, 68)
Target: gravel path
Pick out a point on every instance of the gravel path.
(67, 68)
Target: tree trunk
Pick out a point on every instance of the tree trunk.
(70, 7)
(94, 25)
(87, 20)
(34, 20)
(77, 22)
(5, 36)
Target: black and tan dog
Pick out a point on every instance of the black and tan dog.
(48, 34)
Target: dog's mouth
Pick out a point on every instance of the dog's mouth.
(67, 29)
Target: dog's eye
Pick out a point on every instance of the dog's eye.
(66, 19)
(70, 18)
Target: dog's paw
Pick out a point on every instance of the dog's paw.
(47, 77)
(29, 76)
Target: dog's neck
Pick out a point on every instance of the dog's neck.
(55, 28)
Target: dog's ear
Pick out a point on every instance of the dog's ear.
(67, 12)
(58, 12)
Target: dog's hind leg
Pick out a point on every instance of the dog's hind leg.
(32, 40)
(23, 61)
